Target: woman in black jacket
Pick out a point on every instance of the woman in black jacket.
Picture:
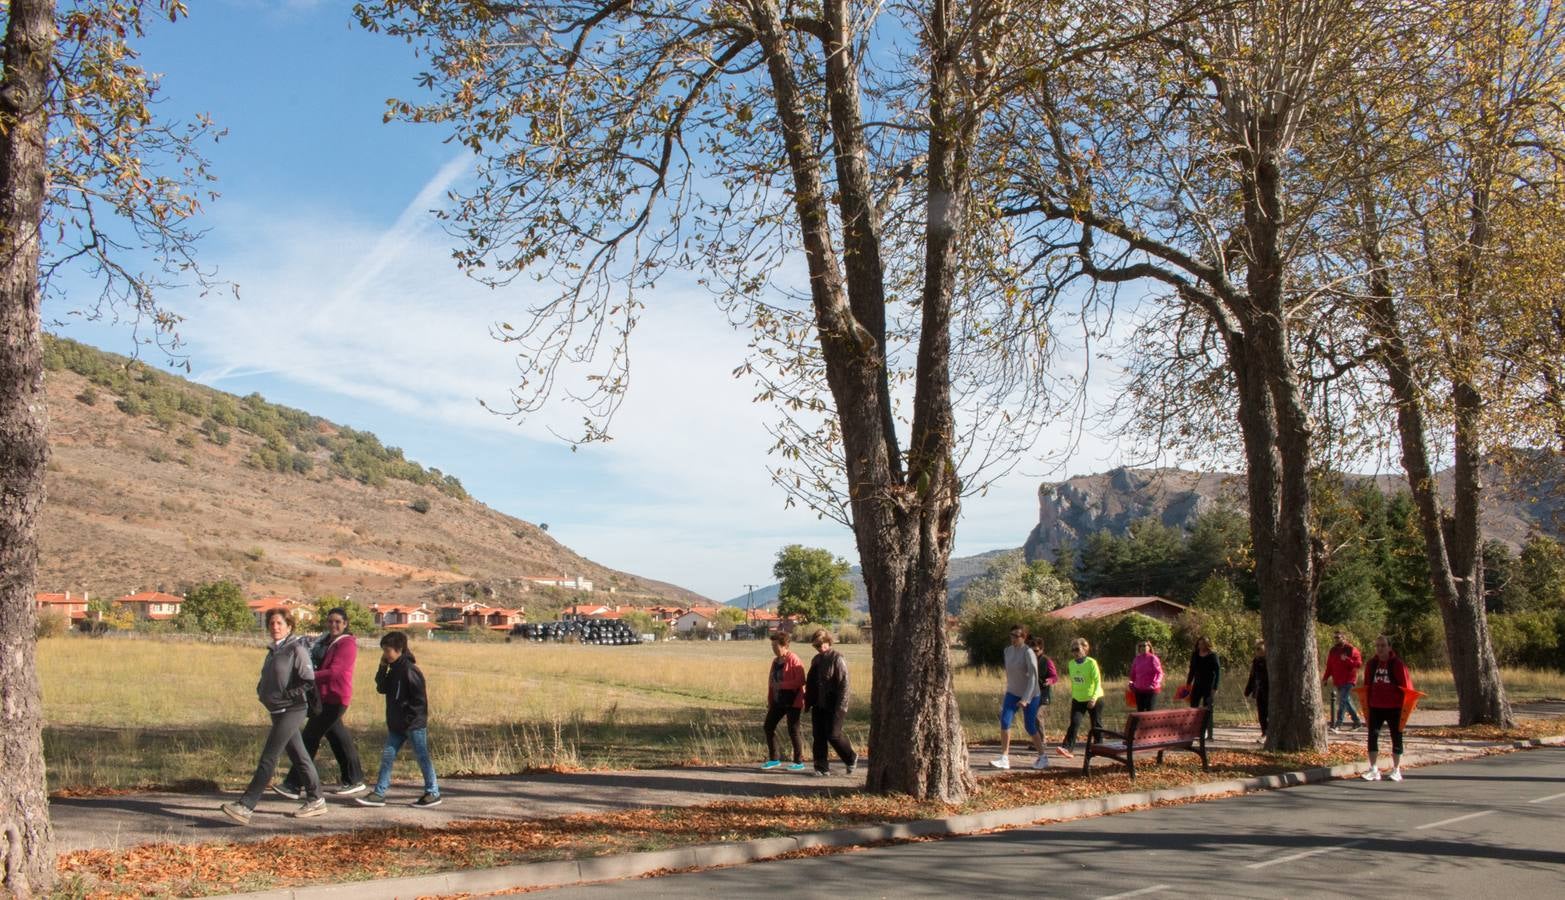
(1205, 673)
(1259, 684)
(826, 697)
(284, 689)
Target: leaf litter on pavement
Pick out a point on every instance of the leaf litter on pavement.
(190, 870)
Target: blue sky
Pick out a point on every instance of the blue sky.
(351, 309)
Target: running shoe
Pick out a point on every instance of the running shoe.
(349, 790)
(428, 800)
(237, 811)
(851, 767)
(1395, 774)
(1000, 762)
(1064, 752)
(796, 767)
(311, 808)
(771, 764)
(373, 798)
(284, 789)
(1372, 775)
(822, 773)
(1042, 762)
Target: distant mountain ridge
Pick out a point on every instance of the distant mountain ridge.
(156, 481)
(1522, 497)
(960, 571)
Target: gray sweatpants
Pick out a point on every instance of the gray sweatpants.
(283, 736)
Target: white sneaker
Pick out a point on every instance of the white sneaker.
(1003, 762)
(1374, 774)
(1395, 774)
(1042, 762)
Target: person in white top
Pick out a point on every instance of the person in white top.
(1021, 693)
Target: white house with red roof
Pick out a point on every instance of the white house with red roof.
(1099, 607)
(396, 615)
(303, 612)
(153, 605)
(568, 582)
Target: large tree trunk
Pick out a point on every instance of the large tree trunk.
(25, 835)
(903, 519)
(1276, 432)
(1454, 569)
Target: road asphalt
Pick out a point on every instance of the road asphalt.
(1484, 828)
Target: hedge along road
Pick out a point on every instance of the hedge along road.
(1488, 827)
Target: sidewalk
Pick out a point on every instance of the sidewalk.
(119, 822)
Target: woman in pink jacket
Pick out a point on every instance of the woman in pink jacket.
(334, 654)
(784, 699)
(1146, 676)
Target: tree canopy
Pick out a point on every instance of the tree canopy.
(812, 584)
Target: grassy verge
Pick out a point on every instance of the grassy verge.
(188, 870)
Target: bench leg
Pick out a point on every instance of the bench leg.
(1130, 762)
(1160, 757)
(1086, 760)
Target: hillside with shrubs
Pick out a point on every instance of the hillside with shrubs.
(158, 483)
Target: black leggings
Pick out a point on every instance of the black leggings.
(1203, 698)
(775, 714)
(328, 724)
(1079, 709)
(1145, 700)
(1392, 717)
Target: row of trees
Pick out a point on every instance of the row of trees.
(1335, 219)
(1334, 214)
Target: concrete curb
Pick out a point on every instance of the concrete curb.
(701, 856)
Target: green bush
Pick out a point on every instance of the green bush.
(985, 628)
(419, 506)
(1529, 639)
(51, 623)
(1119, 636)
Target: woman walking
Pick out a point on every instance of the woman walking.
(1146, 676)
(334, 655)
(286, 681)
(1386, 683)
(1206, 671)
(826, 697)
(1086, 693)
(1258, 684)
(784, 699)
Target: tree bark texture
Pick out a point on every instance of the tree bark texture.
(1274, 424)
(25, 835)
(903, 519)
(1455, 578)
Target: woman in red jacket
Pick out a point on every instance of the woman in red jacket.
(1386, 682)
(784, 698)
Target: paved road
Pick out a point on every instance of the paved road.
(1478, 829)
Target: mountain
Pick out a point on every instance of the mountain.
(1524, 495)
(157, 482)
(959, 571)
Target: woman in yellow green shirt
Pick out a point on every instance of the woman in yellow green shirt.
(1086, 692)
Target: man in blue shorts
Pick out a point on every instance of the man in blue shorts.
(1021, 693)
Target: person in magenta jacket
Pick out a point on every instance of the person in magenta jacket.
(1146, 676)
(334, 654)
(784, 699)
(1386, 683)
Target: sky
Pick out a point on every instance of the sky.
(351, 308)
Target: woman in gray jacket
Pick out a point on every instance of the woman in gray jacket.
(287, 678)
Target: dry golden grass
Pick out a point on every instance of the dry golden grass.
(130, 712)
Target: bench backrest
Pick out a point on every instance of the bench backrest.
(1163, 725)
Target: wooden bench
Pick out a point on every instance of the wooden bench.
(1160, 730)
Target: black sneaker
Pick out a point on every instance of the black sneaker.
(851, 766)
(287, 790)
(349, 790)
(428, 800)
(373, 798)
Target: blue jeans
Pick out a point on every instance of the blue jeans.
(388, 755)
(1346, 706)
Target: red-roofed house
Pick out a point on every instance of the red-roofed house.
(391, 615)
(302, 612)
(74, 608)
(1099, 607)
(154, 605)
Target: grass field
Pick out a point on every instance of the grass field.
(133, 712)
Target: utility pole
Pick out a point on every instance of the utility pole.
(749, 602)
